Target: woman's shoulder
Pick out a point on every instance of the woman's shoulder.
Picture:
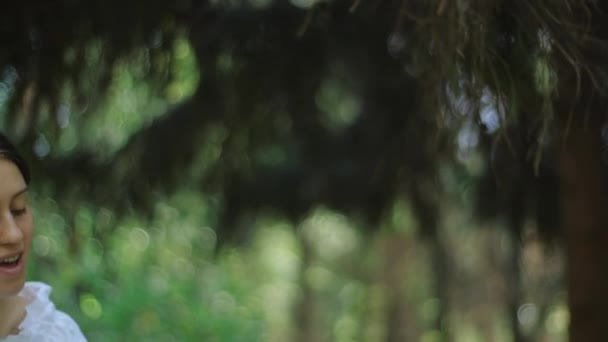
(43, 322)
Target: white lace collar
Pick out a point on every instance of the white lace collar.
(43, 322)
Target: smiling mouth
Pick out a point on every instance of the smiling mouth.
(10, 261)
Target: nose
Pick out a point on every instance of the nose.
(10, 233)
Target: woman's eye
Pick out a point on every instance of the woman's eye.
(19, 212)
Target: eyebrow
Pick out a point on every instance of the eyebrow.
(20, 192)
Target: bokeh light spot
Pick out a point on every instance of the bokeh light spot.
(90, 306)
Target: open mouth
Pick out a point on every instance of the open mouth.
(10, 261)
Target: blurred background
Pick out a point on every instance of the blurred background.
(268, 170)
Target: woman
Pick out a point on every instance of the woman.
(26, 313)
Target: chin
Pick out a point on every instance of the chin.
(12, 289)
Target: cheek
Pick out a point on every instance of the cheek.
(27, 227)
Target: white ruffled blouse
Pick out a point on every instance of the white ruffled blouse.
(43, 322)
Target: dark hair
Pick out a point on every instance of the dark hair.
(8, 151)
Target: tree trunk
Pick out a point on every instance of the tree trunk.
(441, 278)
(515, 221)
(514, 296)
(584, 208)
(394, 249)
(426, 208)
(305, 327)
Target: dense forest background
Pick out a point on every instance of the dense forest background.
(269, 170)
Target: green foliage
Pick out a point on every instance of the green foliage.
(340, 107)
(243, 111)
(126, 278)
(160, 283)
(132, 102)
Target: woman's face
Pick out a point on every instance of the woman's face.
(16, 229)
